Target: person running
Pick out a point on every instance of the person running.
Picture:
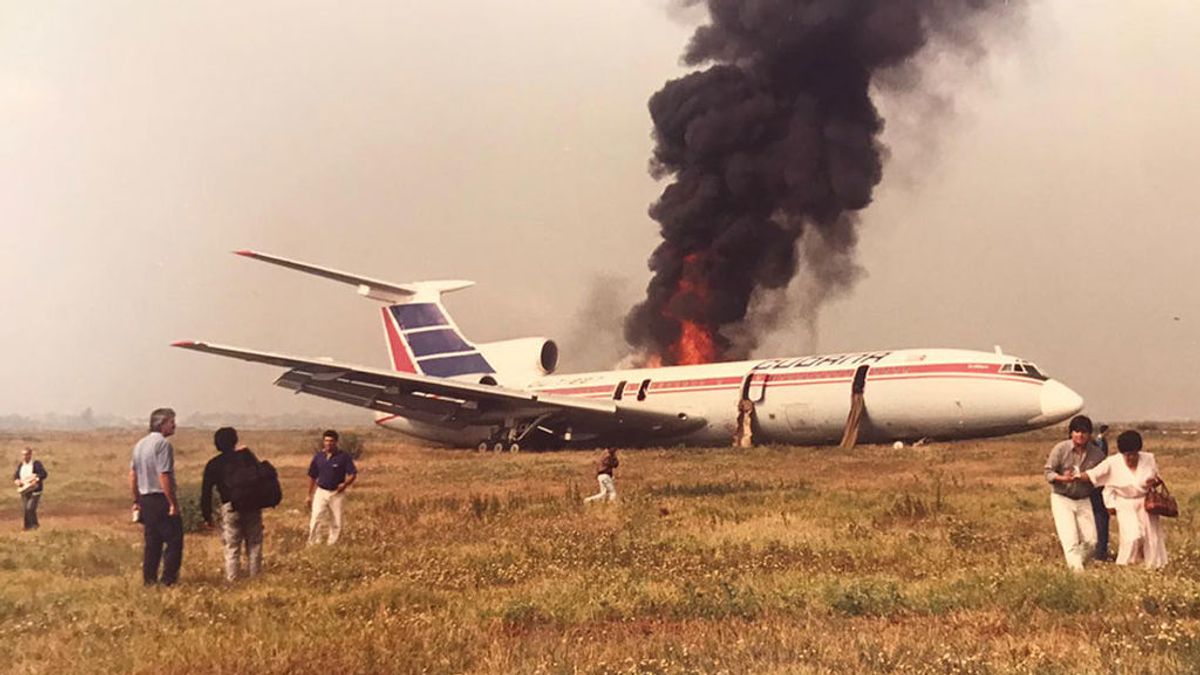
(604, 475)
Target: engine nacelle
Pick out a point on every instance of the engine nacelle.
(520, 360)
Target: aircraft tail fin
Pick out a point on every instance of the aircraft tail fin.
(421, 336)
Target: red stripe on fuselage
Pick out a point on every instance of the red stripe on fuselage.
(877, 374)
(401, 361)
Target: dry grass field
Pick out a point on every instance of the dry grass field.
(777, 559)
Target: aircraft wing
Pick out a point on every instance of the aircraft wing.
(452, 403)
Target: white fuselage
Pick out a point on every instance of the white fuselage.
(909, 394)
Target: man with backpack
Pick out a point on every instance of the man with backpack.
(234, 472)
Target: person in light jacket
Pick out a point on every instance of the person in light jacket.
(30, 478)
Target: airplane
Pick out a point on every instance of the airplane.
(505, 395)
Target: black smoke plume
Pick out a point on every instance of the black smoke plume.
(777, 137)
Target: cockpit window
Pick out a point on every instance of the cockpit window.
(1023, 368)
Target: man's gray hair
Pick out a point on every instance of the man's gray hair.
(159, 417)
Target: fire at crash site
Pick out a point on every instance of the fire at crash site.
(776, 135)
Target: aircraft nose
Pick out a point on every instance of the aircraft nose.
(1058, 401)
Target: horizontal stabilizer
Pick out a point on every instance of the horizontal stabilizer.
(376, 289)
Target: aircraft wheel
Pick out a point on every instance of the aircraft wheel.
(482, 447)
(515, 447)
(499, 447)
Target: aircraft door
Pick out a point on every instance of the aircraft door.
(746, 422)
(754, 387)
(619, 391)
(858, 407)
(860, 380)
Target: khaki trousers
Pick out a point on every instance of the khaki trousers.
(326, 501)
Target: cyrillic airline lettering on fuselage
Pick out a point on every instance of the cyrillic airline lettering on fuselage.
(855, 359)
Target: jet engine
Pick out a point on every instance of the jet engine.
(521, 360)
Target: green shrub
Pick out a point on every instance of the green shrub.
(189, 508)
(866, 597)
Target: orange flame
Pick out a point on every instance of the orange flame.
(694, 346)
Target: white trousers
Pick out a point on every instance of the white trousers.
(1076, 527)
(326, 501)
(608, 490)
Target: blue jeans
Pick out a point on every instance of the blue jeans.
(164, 540)
(1101, 515)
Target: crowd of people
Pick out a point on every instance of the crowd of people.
(1087, 486)
(235, 474)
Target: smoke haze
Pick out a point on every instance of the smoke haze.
(506, 142)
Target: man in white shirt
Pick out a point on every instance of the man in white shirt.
(29, 477)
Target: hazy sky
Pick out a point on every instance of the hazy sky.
(1052, 211)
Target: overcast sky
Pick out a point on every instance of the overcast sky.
(1052, 211)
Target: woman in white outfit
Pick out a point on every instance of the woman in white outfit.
(1126, 478)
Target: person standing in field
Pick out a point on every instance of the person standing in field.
(329, 474)
(1070, 500)
(239, 528)
(604, 475)
(1099, 508)
(1128, 476)
(152, 482)
(30, 478)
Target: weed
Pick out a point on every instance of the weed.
(767, 560)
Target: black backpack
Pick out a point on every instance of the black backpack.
(254, 485)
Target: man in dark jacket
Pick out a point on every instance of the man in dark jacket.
(239, 528)
(30, 477)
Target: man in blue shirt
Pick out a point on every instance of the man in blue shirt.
(152, 481)
(329, 474)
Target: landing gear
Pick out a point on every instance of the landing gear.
(500, 444)
(508, 438)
